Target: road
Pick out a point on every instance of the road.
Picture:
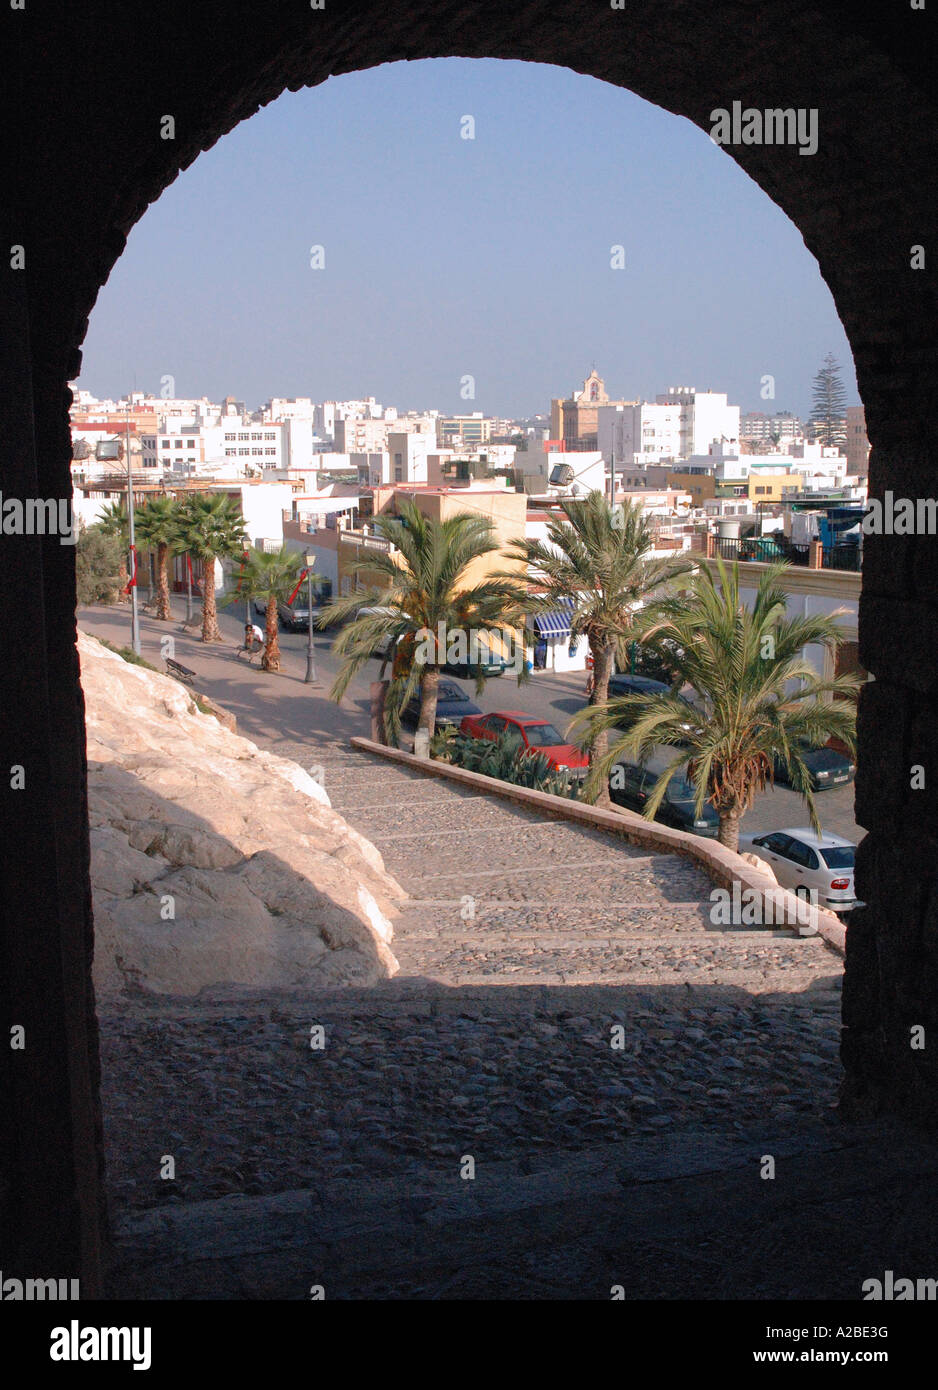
(282, 709)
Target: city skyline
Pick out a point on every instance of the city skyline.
(446, 258)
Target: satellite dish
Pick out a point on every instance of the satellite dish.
(575, 489)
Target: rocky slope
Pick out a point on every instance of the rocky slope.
(213, 862)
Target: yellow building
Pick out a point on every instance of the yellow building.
(505, 510)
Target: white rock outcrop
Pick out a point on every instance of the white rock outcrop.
(212, 861)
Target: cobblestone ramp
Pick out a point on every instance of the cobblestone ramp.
(525, 946)
(499, 893)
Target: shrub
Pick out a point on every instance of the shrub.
(129, 654)
(502, 758)
(97, 566)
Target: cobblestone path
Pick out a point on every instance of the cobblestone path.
(527, 947)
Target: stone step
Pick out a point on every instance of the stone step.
(648, 881)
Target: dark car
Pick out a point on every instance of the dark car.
(827, 767)
(490, 666)
(295, 618)
(631, 784)
(621, 685)
(452, 706)
(624, 684)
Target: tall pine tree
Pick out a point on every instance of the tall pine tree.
(829, 410)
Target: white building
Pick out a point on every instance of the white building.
(679, 423)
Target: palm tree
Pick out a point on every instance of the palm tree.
(422, 597)
(211, 528)
(596, 559)
(113, 522)
(156, 524)
(272, 575)
(760, 700)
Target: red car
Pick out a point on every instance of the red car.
(530, 731)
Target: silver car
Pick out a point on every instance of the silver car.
(803, 861)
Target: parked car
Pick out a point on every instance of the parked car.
(491, 666)
(295, 618)
(383, 645)
(803, 861)
(827, 767)
(531, 733)
(626, 684)
(631, 784)
(623, 684)
(452, 706)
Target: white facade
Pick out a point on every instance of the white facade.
(679, 423)
(408, 456)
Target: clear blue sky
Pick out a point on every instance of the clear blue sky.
(446, 257)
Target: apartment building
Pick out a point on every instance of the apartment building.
(759, 427)
(679, 423)
(857, 446)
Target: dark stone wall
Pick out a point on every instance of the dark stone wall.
(85, 87)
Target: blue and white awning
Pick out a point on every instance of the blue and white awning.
(556, 621)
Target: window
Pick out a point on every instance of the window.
(242, 452)
(838, 856)
(230, 453)
(257, 436)
(165, 443)
(802, 855)
(230, 438)
(270, 451)
(190, 444)
(270, 436)
(244, 436)
(255, 451)
(775, 844)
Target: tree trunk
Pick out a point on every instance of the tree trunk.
(123, 579)
(602, 670)
(429, 689)
(210, 632)
(729, 830)
(163, 610)
(379, 690)
(270, 661)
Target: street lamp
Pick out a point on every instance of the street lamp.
(134, 616)
(310, 677)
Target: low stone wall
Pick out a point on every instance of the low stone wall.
(722, 866)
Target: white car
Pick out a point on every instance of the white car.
(803, 861)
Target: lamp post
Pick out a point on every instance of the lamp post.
(310, 677)
(134, 616)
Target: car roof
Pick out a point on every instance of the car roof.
(648, 682)
(519, 716)
(816, 841)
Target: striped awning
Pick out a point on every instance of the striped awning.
(556, 621)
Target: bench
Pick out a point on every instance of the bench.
(180, 672)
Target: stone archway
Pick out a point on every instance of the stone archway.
(84, 110)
